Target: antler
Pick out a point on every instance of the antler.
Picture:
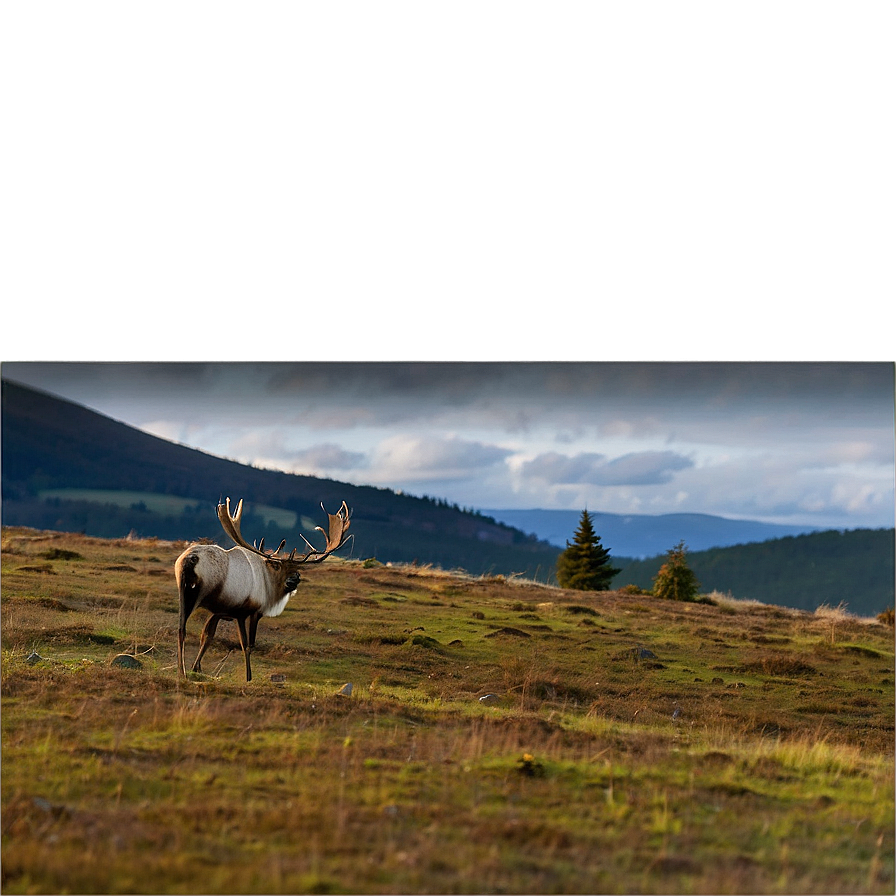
(336, 537)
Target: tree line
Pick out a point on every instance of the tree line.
(853, 567)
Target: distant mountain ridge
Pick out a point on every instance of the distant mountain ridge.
(641, 535)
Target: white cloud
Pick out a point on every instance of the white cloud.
(411, 458)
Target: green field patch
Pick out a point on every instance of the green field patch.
(168, 504)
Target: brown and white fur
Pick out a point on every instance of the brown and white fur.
(243, 583)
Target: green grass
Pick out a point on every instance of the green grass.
(166, 504)
(775, 775)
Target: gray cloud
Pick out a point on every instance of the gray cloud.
(327, 456)
(636, 468)
(644, 468)
(554, 467)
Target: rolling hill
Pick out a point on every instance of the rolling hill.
(855, 568)
(68, 468)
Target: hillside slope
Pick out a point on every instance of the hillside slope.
(52, 444)
(625, 744)
(805, 571)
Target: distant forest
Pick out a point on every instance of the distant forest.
(854, 567)
(499, 550)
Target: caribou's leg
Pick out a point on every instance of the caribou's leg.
(205, 638)
(253, 626)
(181, 668)
(244, 643)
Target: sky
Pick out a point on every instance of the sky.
(801, 443)
(314, 181)
(502, 182)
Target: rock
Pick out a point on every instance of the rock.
(490, 699)
(642, 653)
(278, 678)
(33, 657)
(126, 661)
(345, 690)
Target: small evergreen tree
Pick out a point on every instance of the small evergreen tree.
(675, 579)
(585, 564)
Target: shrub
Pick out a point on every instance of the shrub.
(886, 618)
(633, 589)
(676, 580)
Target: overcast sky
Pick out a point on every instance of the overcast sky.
(523, 180)
(799, 443)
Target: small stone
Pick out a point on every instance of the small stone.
(126, 661)
(278, 678)
(642, 653)
(33, 657)
(345, 690)
(490, 699)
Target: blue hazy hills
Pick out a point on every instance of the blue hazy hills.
(643, 535)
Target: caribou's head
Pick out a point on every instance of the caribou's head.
(290, 564)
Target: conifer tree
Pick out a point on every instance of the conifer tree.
(585, 564)
(675, 579)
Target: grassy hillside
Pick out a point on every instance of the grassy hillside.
(632, 745)
(68, 468)
(804, 571)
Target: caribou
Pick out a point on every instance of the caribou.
(244, 582)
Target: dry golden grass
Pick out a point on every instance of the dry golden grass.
(752, 753)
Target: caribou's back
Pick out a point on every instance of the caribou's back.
(226, 579)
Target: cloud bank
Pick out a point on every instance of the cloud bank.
(807, 443)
